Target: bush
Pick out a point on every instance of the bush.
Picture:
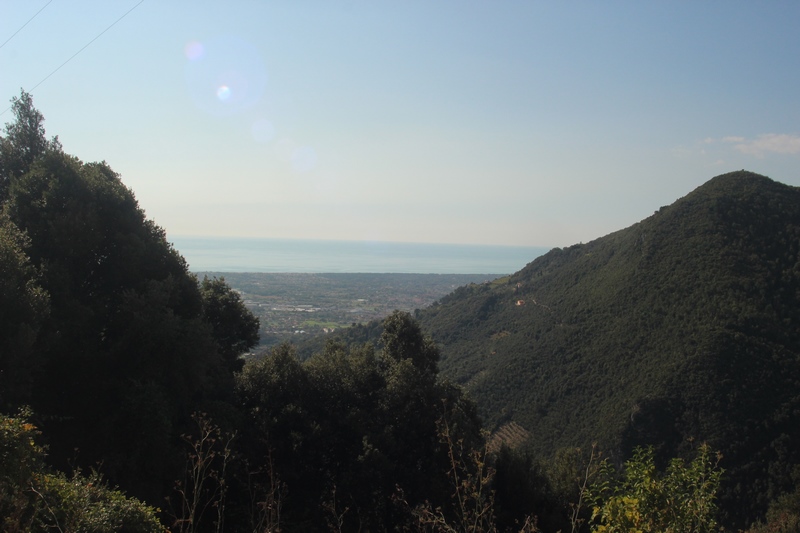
(679, 500)
(33, 498)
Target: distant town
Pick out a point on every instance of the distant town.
(291, 305)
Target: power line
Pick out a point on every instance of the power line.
(81, 50)
(86, 45)
(23, 26)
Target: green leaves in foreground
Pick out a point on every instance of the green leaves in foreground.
(679, 500)
(34, 498)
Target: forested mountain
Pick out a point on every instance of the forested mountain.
(122, 377)
(685, 326)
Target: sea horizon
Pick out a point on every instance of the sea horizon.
(250, 254)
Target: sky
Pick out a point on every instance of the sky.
(529, 123)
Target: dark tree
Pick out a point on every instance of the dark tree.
(127, 351)
(23, 307)
(23, 143)
(352, 424)
(234, 327)
(402, 339)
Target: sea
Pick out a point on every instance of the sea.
(228, 254)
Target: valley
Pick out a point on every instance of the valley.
(299, 306)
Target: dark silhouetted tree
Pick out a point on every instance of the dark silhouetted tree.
(23, 307)
(233, 327)
(24, 141)
(127, 351)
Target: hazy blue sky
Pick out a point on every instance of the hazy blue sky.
(506, 122)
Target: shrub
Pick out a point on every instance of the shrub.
(679, 500)
(33, 498)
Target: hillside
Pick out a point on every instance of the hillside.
(127, 370)
(683, 326)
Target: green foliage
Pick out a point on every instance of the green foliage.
(350, 425)
(129, 346)
(24, 305)
(20, 459)
(87, 504)
(402, 339)
(23, 143)
(679, 500)
(685, 325)
(35, 499)
(234, 327)
(783, 515)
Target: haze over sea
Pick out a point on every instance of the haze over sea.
(227, 254)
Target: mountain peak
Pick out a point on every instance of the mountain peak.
(683, 326)
(739, 182)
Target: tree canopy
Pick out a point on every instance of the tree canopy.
(132, 343)
(24, 141)
(357, 423)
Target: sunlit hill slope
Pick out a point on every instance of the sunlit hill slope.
(683, 326)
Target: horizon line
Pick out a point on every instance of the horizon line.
(170, 237)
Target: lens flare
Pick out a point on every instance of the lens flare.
(224, 75)
(223, 93)
(194, 50)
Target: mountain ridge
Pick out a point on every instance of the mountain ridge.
(683, 328)
(679, 328)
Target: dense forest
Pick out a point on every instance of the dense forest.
(680, 329)
(127, 404)
(684, 326)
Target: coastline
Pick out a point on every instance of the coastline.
(228, 254)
